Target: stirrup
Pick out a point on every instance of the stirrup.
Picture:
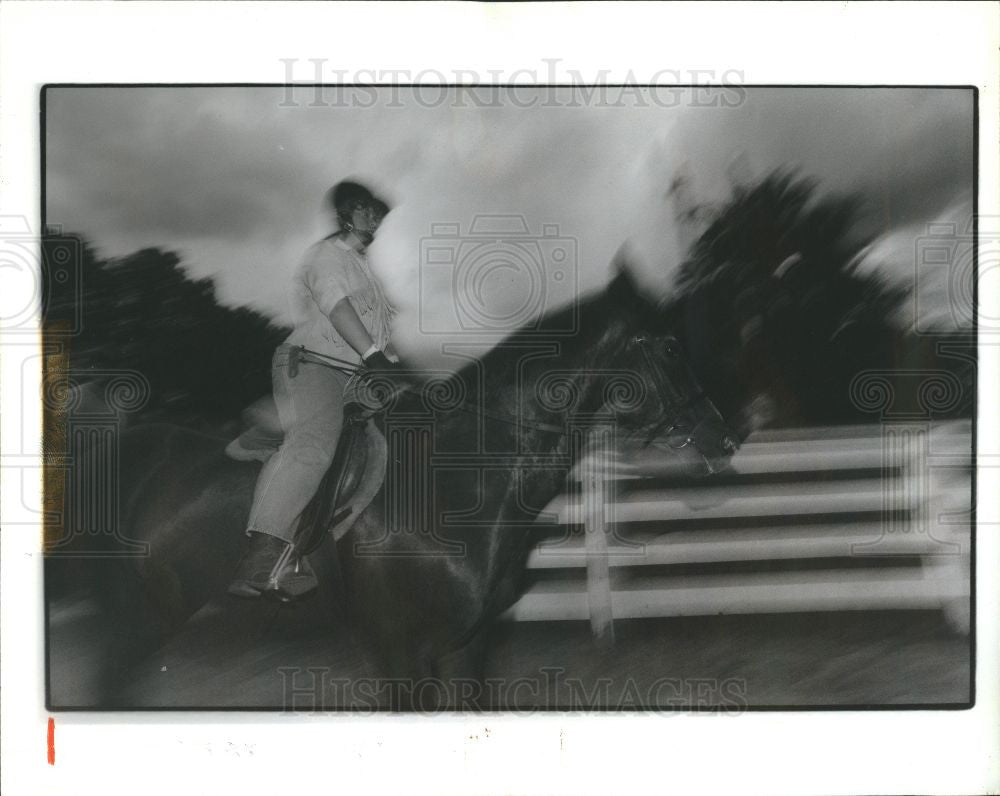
(291, 577)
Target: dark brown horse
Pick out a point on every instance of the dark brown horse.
(473, 460)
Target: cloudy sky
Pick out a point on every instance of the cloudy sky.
(232, 178)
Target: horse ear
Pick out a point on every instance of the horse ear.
(634, 302)
(623, 289)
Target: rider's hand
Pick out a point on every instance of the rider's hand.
(382, 379)
(380, 362)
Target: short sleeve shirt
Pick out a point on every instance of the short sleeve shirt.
(330, 271)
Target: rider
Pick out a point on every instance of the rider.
(339, 310)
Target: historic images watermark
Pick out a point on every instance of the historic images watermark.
(83, 409)
(502, 275)
(949, 258)
(317, 688)
(319, 83)
(586, 448)
(516, 287)
(918, 459)
(31, 272)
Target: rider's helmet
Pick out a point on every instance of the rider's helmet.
(346, 196)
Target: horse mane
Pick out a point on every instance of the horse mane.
(570, 328)
(576, 332)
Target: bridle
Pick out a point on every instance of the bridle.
(673, 405)
(300, 354)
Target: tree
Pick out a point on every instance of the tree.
(204, 361)
(779, 318)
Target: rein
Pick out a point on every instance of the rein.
(302, 354)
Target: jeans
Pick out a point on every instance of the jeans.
(311, 411)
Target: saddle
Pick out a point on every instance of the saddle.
(351, 482)
(353, 479)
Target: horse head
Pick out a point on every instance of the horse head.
(655, 396)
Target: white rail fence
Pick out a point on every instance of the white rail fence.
(826, 519)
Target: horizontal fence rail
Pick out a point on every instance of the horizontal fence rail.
(822, 519)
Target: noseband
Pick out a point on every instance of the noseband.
(673, 405)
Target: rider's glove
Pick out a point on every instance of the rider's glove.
(383, 379)
(379, 362)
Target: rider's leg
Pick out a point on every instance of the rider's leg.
(263, 434)
(310, 406)
(311, 409)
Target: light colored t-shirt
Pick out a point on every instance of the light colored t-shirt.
(330, 271)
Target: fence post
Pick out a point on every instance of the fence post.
(594, 498)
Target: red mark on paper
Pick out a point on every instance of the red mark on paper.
(52, 742)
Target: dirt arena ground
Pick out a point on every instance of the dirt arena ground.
(239, 655)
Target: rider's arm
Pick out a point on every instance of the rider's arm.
(348, 325)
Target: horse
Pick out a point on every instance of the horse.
(474, 458)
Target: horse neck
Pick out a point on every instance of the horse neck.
(505, 385)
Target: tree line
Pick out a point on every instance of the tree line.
(770, 302)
